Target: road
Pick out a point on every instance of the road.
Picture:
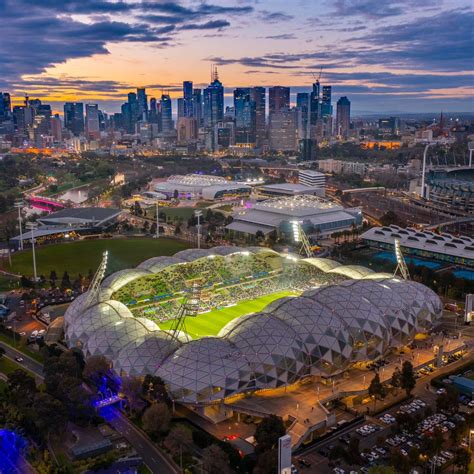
(28, 363)
(151, 455)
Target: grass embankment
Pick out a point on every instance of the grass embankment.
(84, 255)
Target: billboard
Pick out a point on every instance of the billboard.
(284, 455)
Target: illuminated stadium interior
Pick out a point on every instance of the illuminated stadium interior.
(218, 322)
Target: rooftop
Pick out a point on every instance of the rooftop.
(301, 205)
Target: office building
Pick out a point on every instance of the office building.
(315, 104)
(312, 178)
(197, 106)
(278, 99)
(213, 102)
(326, 107)
(188, 99)
(259, 97)
(302, 107)
(5, 106)
(166, 114)
(343, 117)
(74, 117)
(245, 116)
(142, 101)
(92, 122)
(181, 108)
(283, 130)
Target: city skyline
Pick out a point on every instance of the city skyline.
(391, 58)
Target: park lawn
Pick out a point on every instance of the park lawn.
(178, 212)
(20, 345)
(209, 324)
(84, 255)
(7, 366)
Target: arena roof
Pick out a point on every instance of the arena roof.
(320, 332)
(81, 215)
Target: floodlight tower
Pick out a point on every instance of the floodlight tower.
(299, 236)
(425, 154)
(19, 205)
(94, 287)
(471, 149)
(198, 214)
(31, 226)
(157, 234)
(401, 264)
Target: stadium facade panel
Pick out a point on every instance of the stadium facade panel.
(343, 314)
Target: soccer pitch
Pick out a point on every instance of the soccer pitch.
(209, 324)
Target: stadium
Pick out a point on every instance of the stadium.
(215, 323)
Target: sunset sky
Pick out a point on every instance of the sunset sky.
(386, 56)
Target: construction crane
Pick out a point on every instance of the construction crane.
(94, 287)
(299, 236)
(318, 79)
(401, 264)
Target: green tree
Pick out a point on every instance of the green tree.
(179, 439)
(2, 352)
(268, 431)
(50, 414)
(96, 368)
(449, 400)
(267, 462)
(156, 418)
(408, 380)
(382, 470)
(376, 389)
(154, 388)
(462, 458)
(396, 379)
(215, 460)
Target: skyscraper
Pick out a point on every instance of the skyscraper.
(343, 116)
(188, 98)
(245, 116)
(315, 103)
(181, 107)
(92, 121)
(197, 106)
(302, 107)
(5, 106)
(258, 96)
(74, 117)
(142, 103)
(166, 114)
(283, 130)
(153, 111)
(278, 99)
(213, 101)
(56, 128)
(326, 107)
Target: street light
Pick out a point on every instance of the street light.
(157, 235)
(31, 226)
(19, 205)
(198, 214)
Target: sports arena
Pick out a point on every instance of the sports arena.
(224, 321)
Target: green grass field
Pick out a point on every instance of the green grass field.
(79, 257)
(209, 324)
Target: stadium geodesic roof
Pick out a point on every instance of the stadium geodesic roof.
(320, 332)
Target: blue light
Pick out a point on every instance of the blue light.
(11, 446)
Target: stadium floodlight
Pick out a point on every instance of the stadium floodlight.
(471, 149)
(31, 226)
(295, 225)
(198, 214)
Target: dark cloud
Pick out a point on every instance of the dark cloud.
(274, 17)
(210, 25)
(379, 9)
(283, 36)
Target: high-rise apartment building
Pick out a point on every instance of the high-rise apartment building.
(74, 117)
(315, 104)
(343, 116)
(278, 99)
(326, 107)
(283, 130)
(56, 128)
(92, 122)
(302, 107)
